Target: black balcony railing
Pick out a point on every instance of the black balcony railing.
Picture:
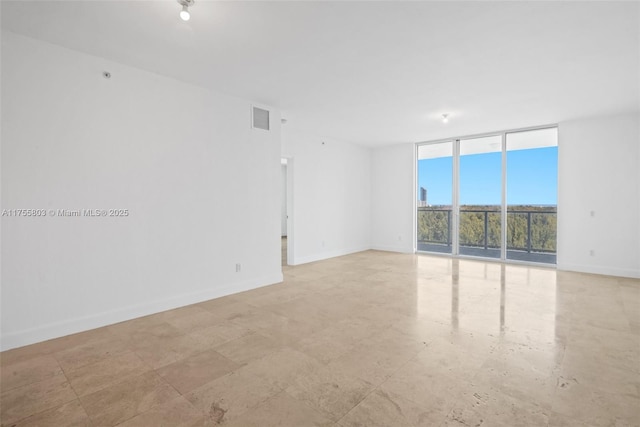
(434, 226)
(540, 229)
(528, 230)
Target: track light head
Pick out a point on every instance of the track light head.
(184, 13)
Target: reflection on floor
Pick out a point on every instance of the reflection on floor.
(369, 339)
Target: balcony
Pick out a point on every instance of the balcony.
(531, 233)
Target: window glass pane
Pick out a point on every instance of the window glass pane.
(435, 192)
(480, 196)
(532, 194)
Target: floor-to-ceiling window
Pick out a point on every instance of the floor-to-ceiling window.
(491, 196)
(480, 196)
(532, 196)
(435, 197)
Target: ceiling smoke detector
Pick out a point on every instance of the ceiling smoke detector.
(184, 13)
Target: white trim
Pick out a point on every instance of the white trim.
(503, 197)
(414, 202)
(455, 198)
(399, 249)
(331, 254)
(498, 132)
(595, 269)
(85, 323)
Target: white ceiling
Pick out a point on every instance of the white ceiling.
(372, 72)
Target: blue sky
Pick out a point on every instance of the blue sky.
(531, 178)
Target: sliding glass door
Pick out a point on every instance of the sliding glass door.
(435, 197)
(490, 196)
(532, 178)
(481, 196)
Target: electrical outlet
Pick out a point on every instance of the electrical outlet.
(238, 268)
(592, 252)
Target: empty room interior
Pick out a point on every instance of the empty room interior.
(320, 213)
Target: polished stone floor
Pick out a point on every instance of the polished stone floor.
(370, 339)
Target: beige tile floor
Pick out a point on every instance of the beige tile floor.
(370, 339)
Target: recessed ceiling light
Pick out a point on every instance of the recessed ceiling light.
(445, 118)
(184, 13)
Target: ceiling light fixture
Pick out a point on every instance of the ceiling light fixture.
(184, 13)
(445, 118)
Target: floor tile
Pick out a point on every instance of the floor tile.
(228, 397)
(177, 413)
(481, 405)
(383, 409)
(247, 348)
(159, 352)
(597, 368)
(90, 352)
(594, 406)
(31, 399)
(282, 367)
(90, 378)
(223, 312)
(29, 371)
(117, 403)
(330, 392)
(194, 322)
(525, 372)
(371, 338)
(146, 331)
(70, 414)
(431, 389)
(280, 329)
(51, 346)
(376, 361)
(282, 411)
(220, 333)
(559, 420)
(196, 370)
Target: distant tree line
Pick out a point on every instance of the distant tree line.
(434, 226)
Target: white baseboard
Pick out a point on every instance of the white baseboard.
(328, 254)
(81, 324)
(596, 269)
(401, 249)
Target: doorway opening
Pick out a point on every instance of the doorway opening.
(286, 238)
(283, 212)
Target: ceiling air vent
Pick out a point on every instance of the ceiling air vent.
(260, 118)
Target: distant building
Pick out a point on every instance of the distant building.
(423, 197)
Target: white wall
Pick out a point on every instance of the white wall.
(599, 171)
(201, 186)
(392, 181)
(331, 196)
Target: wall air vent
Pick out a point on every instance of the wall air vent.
(260, 118)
